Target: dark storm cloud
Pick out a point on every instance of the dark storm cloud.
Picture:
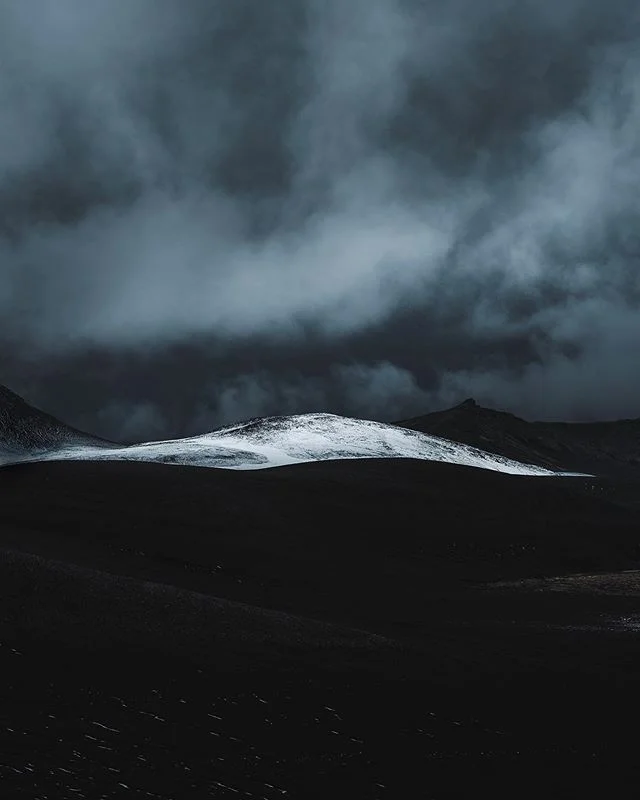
(380, 390)
(398, 203)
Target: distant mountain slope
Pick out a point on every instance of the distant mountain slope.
(279, 441)
(25, 429)
(607, 448)
(27, 434)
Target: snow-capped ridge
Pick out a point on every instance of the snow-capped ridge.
(28, 435)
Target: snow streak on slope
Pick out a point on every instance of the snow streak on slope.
(277, 441)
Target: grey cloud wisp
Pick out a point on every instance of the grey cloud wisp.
(226, 171)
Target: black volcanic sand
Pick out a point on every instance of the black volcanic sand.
(366, 629)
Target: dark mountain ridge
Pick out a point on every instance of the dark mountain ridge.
(602, 448)
(25, 428)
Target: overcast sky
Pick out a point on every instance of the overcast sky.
(218, 209)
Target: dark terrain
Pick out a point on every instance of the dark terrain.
(23, 427)
(362, 629)
(602, 448)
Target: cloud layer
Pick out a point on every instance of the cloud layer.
(310, 176)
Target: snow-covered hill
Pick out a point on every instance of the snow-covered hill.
(263, 443)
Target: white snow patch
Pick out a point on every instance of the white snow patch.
(278, 441)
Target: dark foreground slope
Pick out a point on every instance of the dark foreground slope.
(602, 448)
(312, 631)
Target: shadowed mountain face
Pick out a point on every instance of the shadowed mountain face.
(602, 448)
(24, 428)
